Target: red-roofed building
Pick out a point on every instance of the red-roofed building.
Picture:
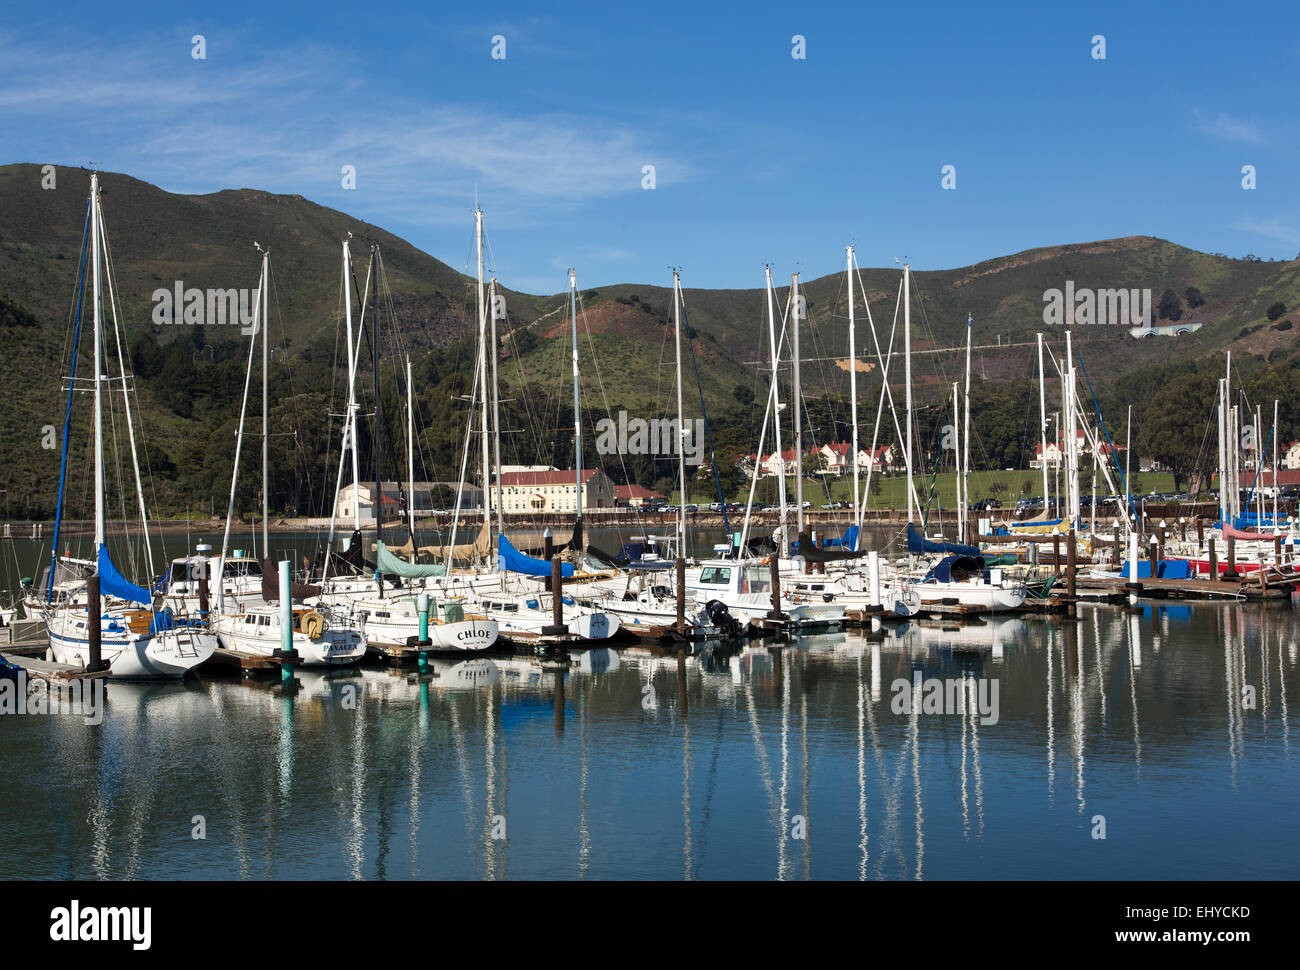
(555, 491)
(635, 496)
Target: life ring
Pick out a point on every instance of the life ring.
(766, 560)
(312, 625)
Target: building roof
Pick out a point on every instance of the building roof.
(634, 491)
(561, 477)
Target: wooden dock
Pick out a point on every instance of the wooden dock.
(247, 663)
(56, 674)
(1214, 589)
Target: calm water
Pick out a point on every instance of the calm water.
(644, 768)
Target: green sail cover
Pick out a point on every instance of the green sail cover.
(390, 564)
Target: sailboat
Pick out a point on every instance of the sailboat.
(134, 643)
(393, 619)
(528, 612)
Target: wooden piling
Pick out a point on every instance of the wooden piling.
(203, 592)
(776, 612)
(1214, 560)
(1071, 563)
(94, 629)
(557, 601)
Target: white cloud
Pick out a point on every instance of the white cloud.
(1227, 128)
(288, 119)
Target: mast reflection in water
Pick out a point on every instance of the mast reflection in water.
(847, 756)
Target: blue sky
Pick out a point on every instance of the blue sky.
(758, 156)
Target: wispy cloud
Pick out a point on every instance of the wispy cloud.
(1227, 128)
(1276, 230)
(288, 120)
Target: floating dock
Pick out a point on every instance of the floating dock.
(53, 673)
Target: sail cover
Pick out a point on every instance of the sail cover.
(953, 569)
(462, 552)
(919, 543)
(271, 585)
(390, 564)
(510, 559)
(112, 583)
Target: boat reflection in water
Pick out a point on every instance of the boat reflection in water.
(918, 750)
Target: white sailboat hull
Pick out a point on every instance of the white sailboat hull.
(166, 655)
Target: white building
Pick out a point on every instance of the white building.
(554, 491)
(395, 500)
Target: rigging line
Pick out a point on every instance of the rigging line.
(67, 415)
(600, 382)
(1106, 431)
(708, 433)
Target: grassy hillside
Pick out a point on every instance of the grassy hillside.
(189, 378)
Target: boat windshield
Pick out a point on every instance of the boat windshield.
(757, 579)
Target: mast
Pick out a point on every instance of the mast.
(379, 407)
(853, 378)
(496, 405)
(99, 405)
(956, 452)
(1096, 460)
(1128, 453)
(483, 376)
(681, 428)
(410, 457)
(1042, 422)
(1259, 449)
(776, 411)
(1071, 437)
(1223, 458)
(350, 432)
(239, 443)
(1277, 488)
(126, 400)
(907, 376)
(965, 442)
(577, 410)
(796, 401)
(266, 461)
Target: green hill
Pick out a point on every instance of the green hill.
(189, 379)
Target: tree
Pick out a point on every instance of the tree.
(997, 488)
(1027, 487)
(1193, 297)
(1276, 310)
(1169, 307)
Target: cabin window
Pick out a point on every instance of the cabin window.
(715, 575)
(757, 580)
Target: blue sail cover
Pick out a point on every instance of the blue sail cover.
(510, 559)
(848, 541)
(112, 583)
(919, 543)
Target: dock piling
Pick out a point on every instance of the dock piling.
(94, 629)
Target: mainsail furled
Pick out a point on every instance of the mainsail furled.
(462, 552)
(510, 559)
(112, 583)
(919, 543)
(390, 564)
